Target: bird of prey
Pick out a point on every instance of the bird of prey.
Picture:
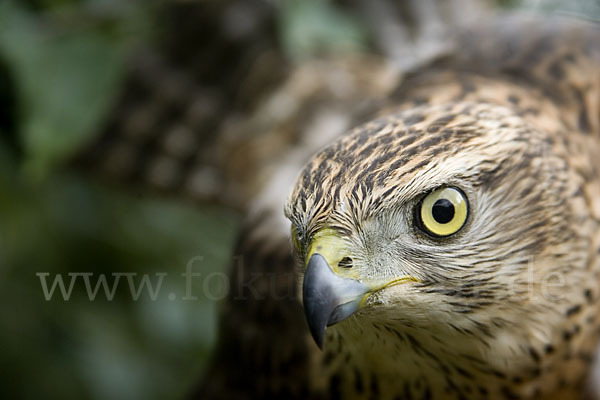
(448, 247)
(445, 225)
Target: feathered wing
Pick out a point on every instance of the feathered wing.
(208, 64)
(557, 55)
(193, 118)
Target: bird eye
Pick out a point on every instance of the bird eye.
(443, 212)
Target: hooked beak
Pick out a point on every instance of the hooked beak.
(328, 298)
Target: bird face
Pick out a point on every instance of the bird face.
(450, 223)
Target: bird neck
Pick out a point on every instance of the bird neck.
(381, 361)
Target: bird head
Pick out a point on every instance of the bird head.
(440, 220)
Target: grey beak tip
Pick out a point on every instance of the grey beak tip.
(319, 338)
(327, 298)
(316, 301)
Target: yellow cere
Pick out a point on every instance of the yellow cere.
(453, 221)
(328, 243)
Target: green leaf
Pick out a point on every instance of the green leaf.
(66, 79)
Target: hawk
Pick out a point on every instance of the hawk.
(448, 247)
(445, 223)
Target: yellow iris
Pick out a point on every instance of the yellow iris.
(444, 211)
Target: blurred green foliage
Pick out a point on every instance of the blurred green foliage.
(65, 61)
(66, 64)
(103, 349)
(313, 27)
(584, 9)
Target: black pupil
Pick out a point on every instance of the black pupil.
(443, 211)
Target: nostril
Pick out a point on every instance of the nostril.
(345, 262)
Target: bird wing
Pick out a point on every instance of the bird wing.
(193, 119)
(198, 76)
